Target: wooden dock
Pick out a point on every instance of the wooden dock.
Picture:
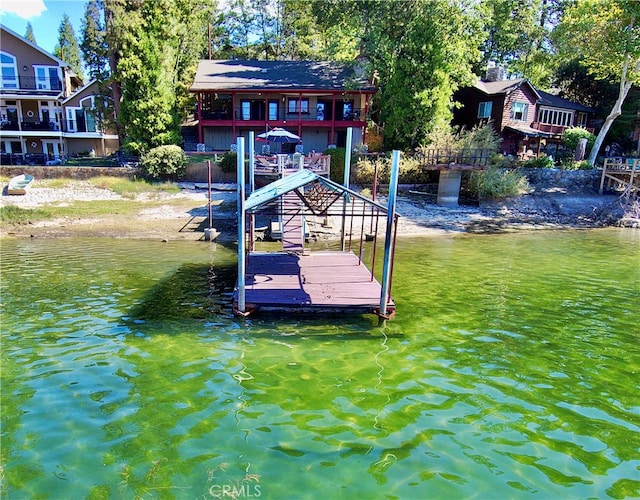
(295, 279)
(328, 281)
(622, 174)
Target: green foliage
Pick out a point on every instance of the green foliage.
(129, 188)
(337, 163)
(605, 37)
(17, 215)
(572, 136)
(155, 45)
(164, 162)
(517, 33)
(229, 162)
(497, 183)
(500, 161)
(67, 48)
(93, 43)
(419, 60)
(576, 165)
(446, 138)
(410, 171)
(540, 162)
(29, 35)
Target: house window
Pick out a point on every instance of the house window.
(298, 106)
(557, 117)
(582, 120)
(245, 107)
(9, 71)
(48, 114)
(273, 110)
(89, 113)
(519, 111)
(47, 78)
(484, 109)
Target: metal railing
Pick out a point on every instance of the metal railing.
(31, 125)
(282, 113)
(31, 159)
(8, 83)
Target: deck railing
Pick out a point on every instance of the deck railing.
(622, 173)
(475, 157)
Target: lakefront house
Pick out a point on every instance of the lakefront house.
(316, 100)
(529, 121)
(46, 113)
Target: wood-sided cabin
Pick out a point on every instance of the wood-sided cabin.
(529, 121)
(315, 100)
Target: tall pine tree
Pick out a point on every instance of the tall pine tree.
(29, 34)
(93, 44)
(67, 48)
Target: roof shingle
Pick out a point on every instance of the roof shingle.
(276, 75)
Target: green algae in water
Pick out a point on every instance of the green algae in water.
(509, 371)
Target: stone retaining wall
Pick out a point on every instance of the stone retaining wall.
(195, 172)
(572, 180)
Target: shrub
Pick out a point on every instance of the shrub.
(164, 162)
(337, 163)
(480, 137)
(229, 162)
(410, 170)
(540, 162)
(500, 161)
(364, 169)
(577, 165)
(572, 136)
(497, 183)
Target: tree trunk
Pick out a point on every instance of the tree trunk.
(616, 111)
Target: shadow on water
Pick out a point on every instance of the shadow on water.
(193, 292)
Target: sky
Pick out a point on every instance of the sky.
(45, 17)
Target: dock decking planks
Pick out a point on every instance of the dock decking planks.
(329, 281)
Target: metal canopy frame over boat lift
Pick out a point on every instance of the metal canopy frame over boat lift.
(302, 281)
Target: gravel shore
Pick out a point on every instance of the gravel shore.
(184, 215)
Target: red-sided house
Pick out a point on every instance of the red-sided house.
(317, 101)
(528, 120)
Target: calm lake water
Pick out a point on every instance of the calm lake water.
(512, 370)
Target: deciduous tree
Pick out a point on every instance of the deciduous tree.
(605, 37)
(419, 58)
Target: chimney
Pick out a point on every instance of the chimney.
(495, 73)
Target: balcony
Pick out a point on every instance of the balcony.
(556, 130)
(18, 84)
(29, 126)
(30, 159)
(257, 113)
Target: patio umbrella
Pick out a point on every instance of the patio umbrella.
(279, 135)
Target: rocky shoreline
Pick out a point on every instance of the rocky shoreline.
(184, 215)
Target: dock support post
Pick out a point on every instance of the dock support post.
(449, 188)
(252, 188)
(241, 228)
(347, 175)
(388, 242)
